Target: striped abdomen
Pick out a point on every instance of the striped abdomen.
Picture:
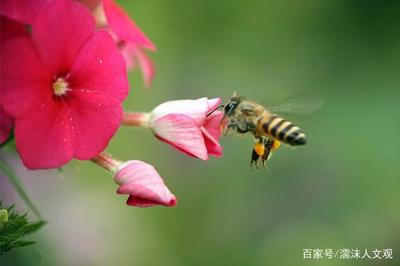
(281, 129)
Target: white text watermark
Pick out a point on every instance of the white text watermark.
(347, 253)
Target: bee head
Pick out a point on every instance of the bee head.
(230, 107)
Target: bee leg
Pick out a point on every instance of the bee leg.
(265, 157)
(257, 153)
(264, 164)
(268, 148)
(257, 165)
(254, 159)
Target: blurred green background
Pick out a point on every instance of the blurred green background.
(339, 191)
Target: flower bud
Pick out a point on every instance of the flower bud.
(190, 126)
(143, 184)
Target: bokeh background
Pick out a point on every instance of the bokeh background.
(339, 191)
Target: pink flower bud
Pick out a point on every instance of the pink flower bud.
(143, 184)
(188, 126)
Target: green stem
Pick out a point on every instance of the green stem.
(15, 181)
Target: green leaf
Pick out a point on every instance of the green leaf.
(16, 229)
(33, 227)
(3, 218)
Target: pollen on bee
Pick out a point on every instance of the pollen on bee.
(276, 145)
(259, 148)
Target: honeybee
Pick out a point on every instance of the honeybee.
(269, 130)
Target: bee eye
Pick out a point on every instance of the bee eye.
(229, 107)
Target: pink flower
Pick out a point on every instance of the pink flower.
(186, 125)
(130, 39)
(24, 11)
(143, 184)
(64, 86)
(8, 29)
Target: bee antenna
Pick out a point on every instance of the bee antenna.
(215, 109)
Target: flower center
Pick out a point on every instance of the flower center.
(60, 87)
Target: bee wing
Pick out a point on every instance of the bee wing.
(300, 104)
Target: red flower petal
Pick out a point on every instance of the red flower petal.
(59, 31)
(45, 137)
(24, 79)
(124, 26)
(10, 29)
(6, 124)
(98, 85)
(22, 10)
(143, 203)
(100, 67)
(95, 117)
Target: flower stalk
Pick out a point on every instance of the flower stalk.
(136, 119)
(106, 161)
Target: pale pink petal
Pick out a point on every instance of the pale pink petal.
(195, 109)
(24, 11)
(95, 117)
(183, 133)
(213, 103)
(45, 138)
(212, 124)
(124, 26)
(212, 145)
(211, 132)
(146, 66)
(23, 77)
(99, 66)
(6, 124)
(144, 185)
(128, 52)
(59, 31)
